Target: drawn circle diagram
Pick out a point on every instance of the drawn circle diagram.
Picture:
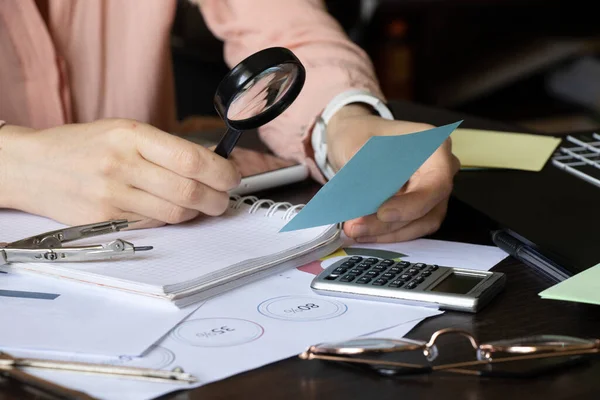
(158, 357)
(217, 332)
(301, 308)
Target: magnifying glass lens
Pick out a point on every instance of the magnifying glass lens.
(256, 91)
(262, 92)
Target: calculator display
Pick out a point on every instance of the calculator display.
(458, 284)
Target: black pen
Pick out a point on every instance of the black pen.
(528, 255)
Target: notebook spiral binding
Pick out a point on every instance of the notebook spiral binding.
(272, 206)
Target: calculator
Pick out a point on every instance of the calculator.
(443, 287)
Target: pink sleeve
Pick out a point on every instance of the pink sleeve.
(333, 62)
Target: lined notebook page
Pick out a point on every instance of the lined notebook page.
(181, 252)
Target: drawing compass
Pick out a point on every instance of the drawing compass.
(48, 246)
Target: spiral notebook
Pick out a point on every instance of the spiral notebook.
(196, 260)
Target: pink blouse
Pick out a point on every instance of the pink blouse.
(110, 58)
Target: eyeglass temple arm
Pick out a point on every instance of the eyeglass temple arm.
(454, 367)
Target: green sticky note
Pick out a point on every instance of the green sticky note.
(582, 288)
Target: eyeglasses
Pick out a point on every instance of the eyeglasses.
(362, 351)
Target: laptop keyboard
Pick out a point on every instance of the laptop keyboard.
(580, 156)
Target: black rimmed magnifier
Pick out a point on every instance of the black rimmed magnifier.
(256, 91)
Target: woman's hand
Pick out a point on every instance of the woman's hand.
(108, 169)
(419, 208)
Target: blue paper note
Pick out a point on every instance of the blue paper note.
(375, 173)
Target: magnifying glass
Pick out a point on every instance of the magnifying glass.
(256, 91)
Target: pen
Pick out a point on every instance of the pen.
(527, 255)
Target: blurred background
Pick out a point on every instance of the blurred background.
(532, 63)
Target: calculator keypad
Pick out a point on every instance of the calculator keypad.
(388, 273)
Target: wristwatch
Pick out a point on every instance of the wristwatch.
(318, 136)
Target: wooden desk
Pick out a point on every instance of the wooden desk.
(518, 311)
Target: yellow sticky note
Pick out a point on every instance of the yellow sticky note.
(583, 288)
(490, 149)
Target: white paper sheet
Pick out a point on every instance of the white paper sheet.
(159, 357)
(398, 331)
(268, 321)
(249, 327)
(51, 314)
(450, 254)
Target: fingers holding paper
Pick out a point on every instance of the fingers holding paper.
(375, 231)
(418, 209)
(420, 206)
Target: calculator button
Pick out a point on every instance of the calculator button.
(372, 274)
(356, 271)
(371, 260)
(426, 273)
(364, 279)
(363, 265)
(356, 259)
(397, 283)
(348, 264)
(340, 270)
(332, 277)
(380, 282)
(419, 265)
(387, 263)
(405, 277)
(388, 275)
(348, 278)
(412, 271)
(433, 267)
(403, 264)
(419, 279)
(411, 285)
(395, 270)
(378, 269)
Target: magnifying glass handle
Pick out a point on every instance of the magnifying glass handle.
(227, 142)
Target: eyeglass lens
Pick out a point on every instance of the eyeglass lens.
(367, 345)
(534, 344)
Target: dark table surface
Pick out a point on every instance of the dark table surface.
(516, 312)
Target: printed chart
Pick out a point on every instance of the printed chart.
(255, 325)
(217, 332)
(301, 308)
